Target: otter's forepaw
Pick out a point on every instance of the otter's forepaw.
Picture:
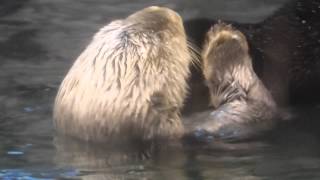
(202, 135)
(226, 132)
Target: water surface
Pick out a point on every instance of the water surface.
(39, 41)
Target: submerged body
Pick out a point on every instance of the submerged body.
(129, 83)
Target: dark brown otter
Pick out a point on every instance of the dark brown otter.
(242, 104)
(130, 82)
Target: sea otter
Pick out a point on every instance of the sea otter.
(242, 105)
(130, 81)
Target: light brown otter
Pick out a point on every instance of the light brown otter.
(130, 82)
(242, 104)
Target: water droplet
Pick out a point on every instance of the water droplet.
(28, 109)
(210, 138)
(15, 153)
(26, 146)
(141, 167)
(71, 173)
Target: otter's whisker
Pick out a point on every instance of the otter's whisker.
(194, 53)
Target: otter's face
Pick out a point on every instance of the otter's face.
(222, 50)
(221, 33)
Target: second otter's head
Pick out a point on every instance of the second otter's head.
(227, 65)
(243, 106)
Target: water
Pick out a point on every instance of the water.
(38, 43)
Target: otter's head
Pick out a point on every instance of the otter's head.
(160, 20)
(243, 106)
(227, 65)
(129, 81)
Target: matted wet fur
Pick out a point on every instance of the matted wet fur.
(129, 83)
(242, 105)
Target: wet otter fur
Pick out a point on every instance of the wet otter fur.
(130, 81)
(242, 105)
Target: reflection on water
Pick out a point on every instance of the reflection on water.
(39, 41)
